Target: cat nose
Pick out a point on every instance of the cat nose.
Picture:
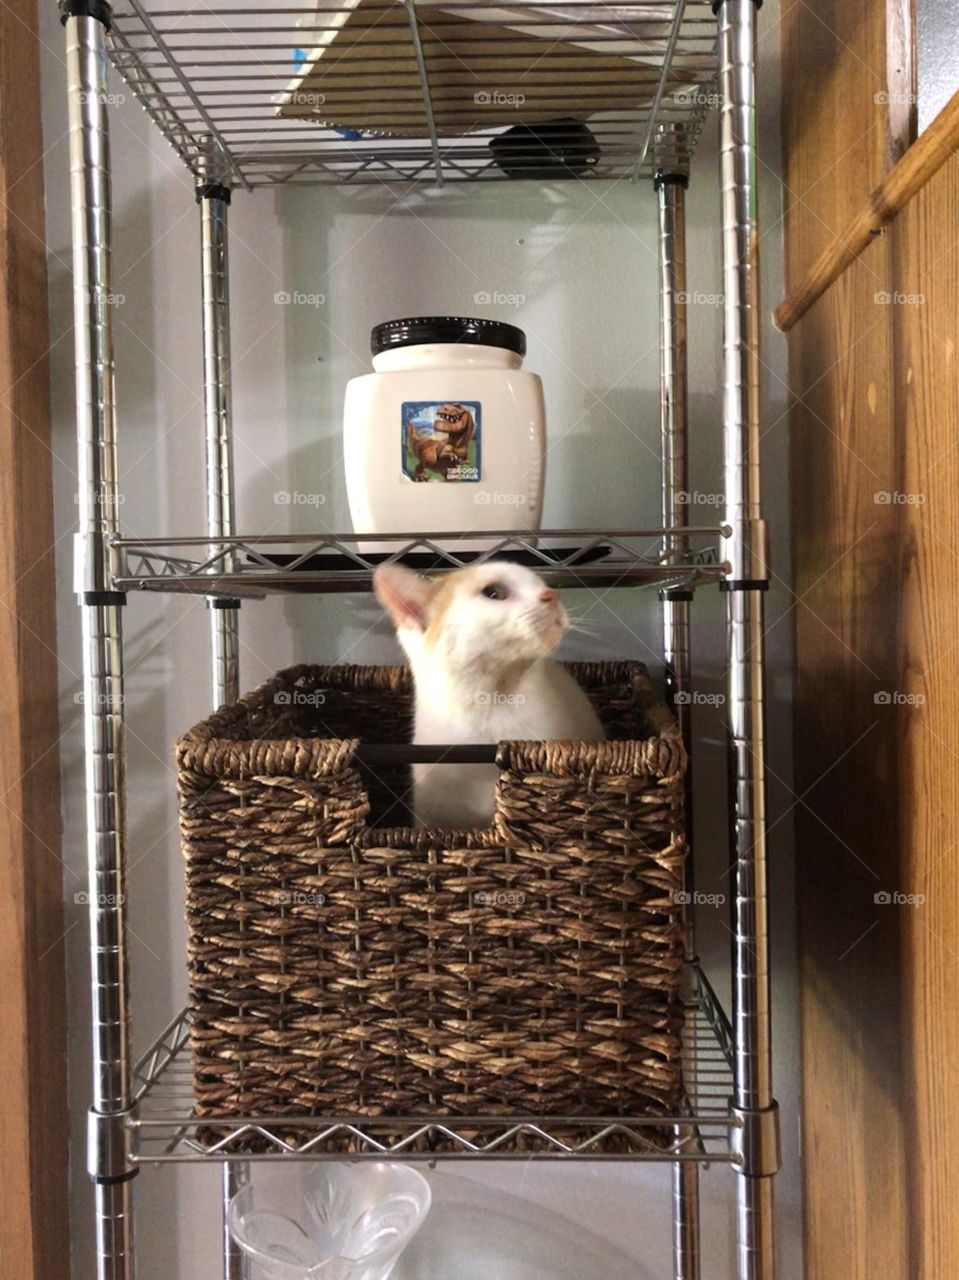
(547, 597)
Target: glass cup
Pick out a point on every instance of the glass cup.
(331, 1221)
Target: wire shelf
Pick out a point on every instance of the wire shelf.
(251, 567)
(165, 1130)
(347, 91)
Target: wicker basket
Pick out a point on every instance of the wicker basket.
(341, 967)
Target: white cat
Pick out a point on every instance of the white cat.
(479, 642)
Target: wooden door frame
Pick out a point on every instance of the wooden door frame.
(34, 1230)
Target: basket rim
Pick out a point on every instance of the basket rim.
(206, 750)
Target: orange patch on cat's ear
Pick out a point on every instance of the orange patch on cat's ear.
(444, 593)
(404, 595)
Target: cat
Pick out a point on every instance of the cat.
(480, 641)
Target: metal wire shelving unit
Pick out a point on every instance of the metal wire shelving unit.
(433, 94)
(400, 91)
(165, 1130)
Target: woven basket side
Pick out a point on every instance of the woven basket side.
(654, 758)
(284, 757)
(273, 701)
(429, 840)
(327, 981)
(306, 721)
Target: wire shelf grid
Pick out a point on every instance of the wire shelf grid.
(251, 567)
(366, 91)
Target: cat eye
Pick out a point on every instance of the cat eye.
(494, 591)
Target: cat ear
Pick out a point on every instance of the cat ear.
(404, 595)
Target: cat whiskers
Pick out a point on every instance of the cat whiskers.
(580, 627)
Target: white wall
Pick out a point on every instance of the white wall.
(583, 257)
(937, 56)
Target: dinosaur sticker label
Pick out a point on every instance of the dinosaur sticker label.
(441, 442)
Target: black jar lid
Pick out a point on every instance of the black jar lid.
(420, 329)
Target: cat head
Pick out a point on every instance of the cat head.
(492, 617)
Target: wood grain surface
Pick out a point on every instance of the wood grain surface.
(34, 1241)
(366, 76)
(916, 167)
(844, 455)
(835, 119)
(875, 505)
(926, 251)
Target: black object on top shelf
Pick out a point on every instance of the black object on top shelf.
(556, 149)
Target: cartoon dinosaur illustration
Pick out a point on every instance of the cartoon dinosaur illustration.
(447, 445)
(457, 422)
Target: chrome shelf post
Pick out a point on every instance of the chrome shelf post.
(754, 1108)
(213, 193)
(213, 196)
(670, 184)
(109, 1143)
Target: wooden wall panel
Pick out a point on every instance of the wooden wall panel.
(875, 485)
(926, 250)
(844, 453)
(34, 1240)
(836, 134)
